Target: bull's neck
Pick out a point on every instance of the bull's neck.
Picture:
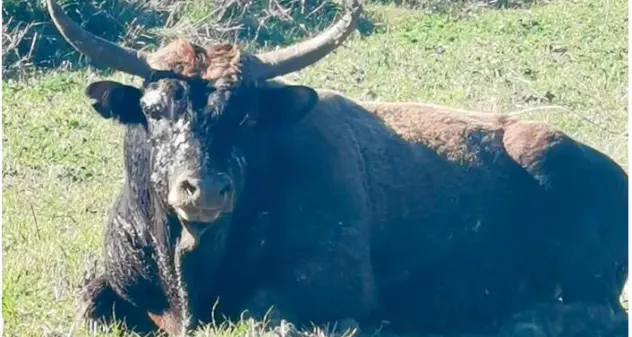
(188, 274)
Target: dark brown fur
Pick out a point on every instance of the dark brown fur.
(436, 220)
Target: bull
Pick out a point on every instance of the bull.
(261, 193)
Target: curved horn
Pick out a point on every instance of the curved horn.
(298, 56)
(123, 59)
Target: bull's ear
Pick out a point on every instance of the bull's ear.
(117, 101)
(285, 105)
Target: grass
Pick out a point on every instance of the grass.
(62, 163)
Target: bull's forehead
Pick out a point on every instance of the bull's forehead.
(190, 105)
(174, 135)
(167, 85)
(153, 97)
(173, 99)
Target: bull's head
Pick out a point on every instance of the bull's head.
(201, 107)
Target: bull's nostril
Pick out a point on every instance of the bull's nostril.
(188, 188)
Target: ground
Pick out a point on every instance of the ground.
(562, 62)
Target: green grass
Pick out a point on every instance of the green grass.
(62, 163)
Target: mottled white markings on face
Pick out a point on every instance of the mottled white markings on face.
(181, 126)
(181, 131)
(152, 98)
(161, 153)
(181, 138)
(171, 151)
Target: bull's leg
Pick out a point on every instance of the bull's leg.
(561, 320)
(328, 280)
(320, 239)
(331, 290)
(102, 305)
(587, 211)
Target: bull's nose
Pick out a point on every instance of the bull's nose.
(189, 191)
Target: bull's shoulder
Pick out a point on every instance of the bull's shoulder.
(336, 102)
(331, 130)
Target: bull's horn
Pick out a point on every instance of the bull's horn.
(298, 56)
(119, 58)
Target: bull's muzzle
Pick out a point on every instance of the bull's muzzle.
(198, 203)
(201, 200)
